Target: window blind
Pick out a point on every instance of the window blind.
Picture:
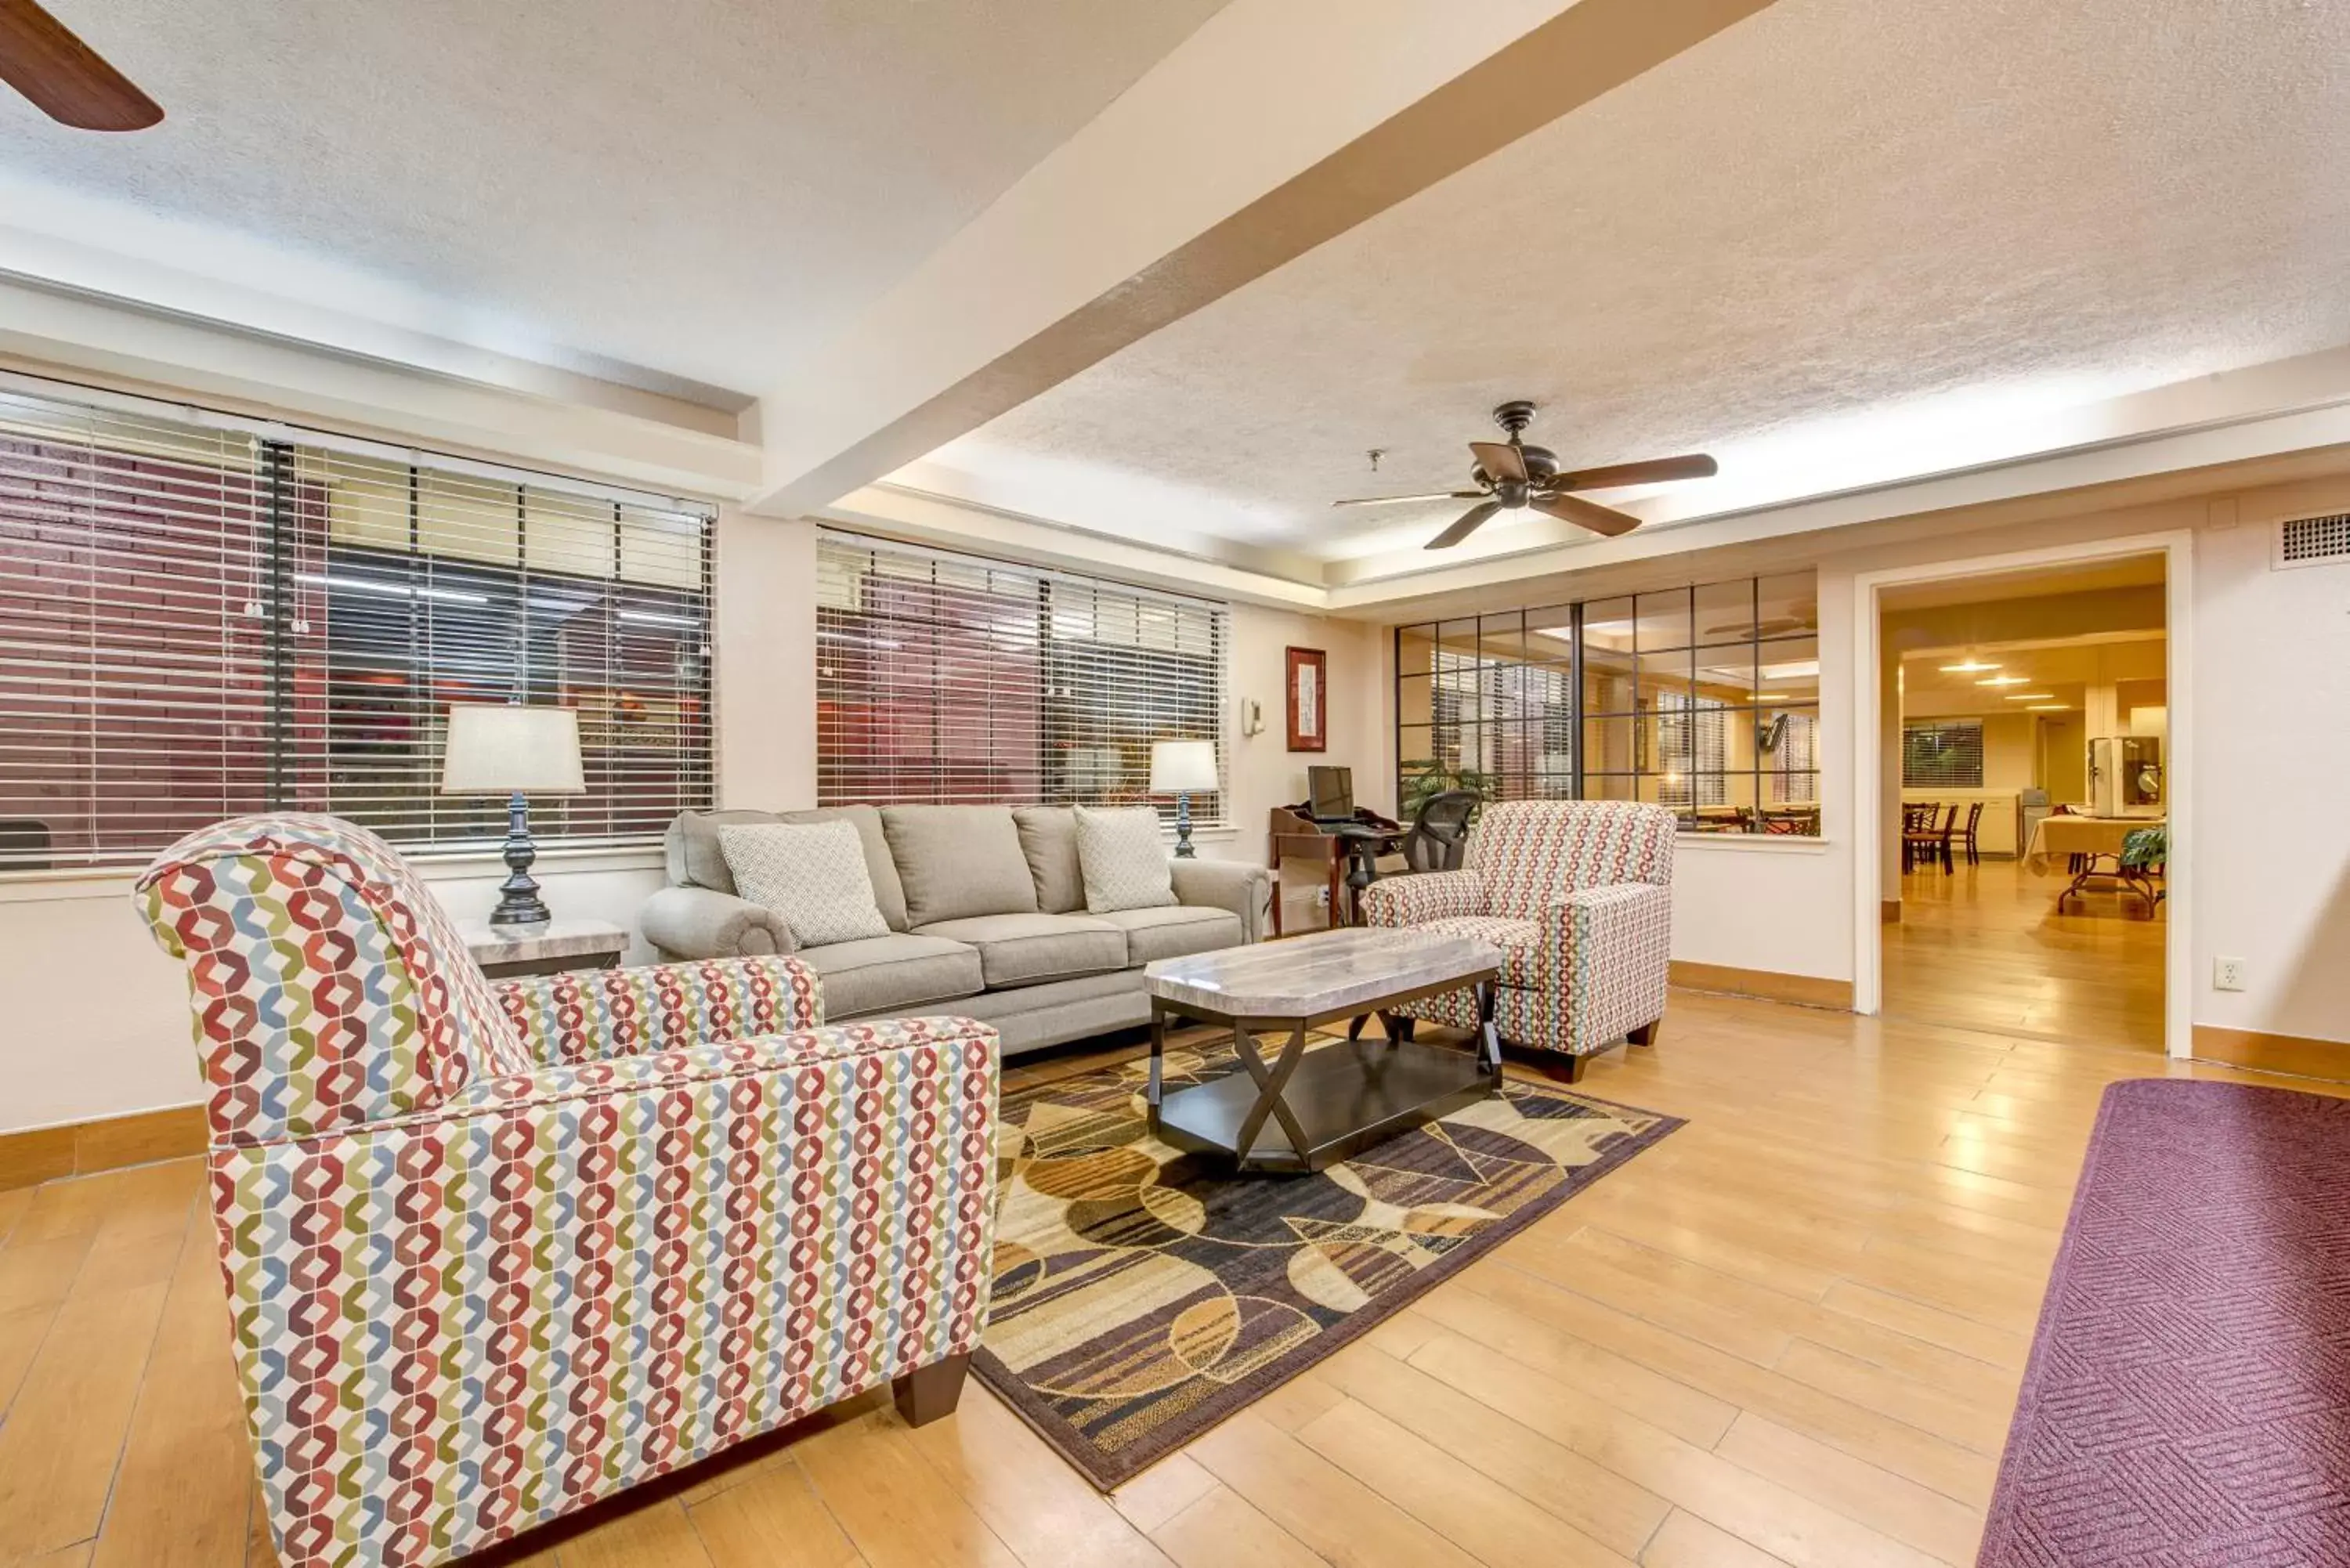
(1941, 753)
(950, 679)
(197, 620)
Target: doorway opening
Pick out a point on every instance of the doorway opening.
(2024, 733)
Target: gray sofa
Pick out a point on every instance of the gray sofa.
(986, 910)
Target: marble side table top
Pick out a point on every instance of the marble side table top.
(1312, 976)
(555, 939)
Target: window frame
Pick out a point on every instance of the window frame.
(1657, 734)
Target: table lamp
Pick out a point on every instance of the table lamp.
(516, 751)
(1178, 768)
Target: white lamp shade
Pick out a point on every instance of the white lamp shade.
(1179, 767)
(498, 749)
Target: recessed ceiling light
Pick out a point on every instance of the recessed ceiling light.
(1794, 670)
(2030, 696)
(2050, 708)
(1971, 667)
(2006, 681)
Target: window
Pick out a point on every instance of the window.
(1941, 753)
(197, 622)
(1703, 699)
(948, 678)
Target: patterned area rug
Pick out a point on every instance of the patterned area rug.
(2187, 1400)
(1142, 1295)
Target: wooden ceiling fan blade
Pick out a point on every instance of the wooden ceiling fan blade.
(1586, 514)
(1501, 461)
(1653, 471)
(1399, 500)
(1467, 524)
(66, 78)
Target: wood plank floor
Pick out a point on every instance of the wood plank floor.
(1985, 947)
(1792, 1334)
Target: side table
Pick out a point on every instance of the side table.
(507, 952)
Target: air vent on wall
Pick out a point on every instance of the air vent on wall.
(2313, 541)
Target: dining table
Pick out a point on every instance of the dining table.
(2089, 848)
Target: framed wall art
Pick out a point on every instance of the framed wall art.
(1306, 679)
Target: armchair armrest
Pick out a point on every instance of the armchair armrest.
(1232, 885)
(702, 923)
(1611, 949)
(562, 1283)
(600, 1014)
(1411, 900)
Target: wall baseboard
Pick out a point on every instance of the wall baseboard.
(2262, 1052)
(79, 1149)
(1769, 985)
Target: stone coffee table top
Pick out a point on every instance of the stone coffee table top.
(1319, 976)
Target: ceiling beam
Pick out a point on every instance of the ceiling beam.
(1275, 127)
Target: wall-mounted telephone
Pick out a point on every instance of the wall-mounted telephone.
(1251, 716)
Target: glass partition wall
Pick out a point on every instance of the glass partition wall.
(1704, 698)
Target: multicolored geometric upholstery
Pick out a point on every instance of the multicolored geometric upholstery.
(1578, 897)
(494, 1253)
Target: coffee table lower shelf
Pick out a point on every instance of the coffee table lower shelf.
(1344, 1098)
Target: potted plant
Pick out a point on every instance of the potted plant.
(1425, 779)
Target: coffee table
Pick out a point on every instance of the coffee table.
(1305, 1111)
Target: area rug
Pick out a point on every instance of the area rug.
(1142, 1295)
(2187, 1399)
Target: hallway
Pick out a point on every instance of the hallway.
(1985, 948)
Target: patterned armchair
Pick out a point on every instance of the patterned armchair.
(1578, 897)
(496, 1251)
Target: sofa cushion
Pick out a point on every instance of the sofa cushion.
(1174, 931)
(1124, 860)
(812, 874)
(695, 860)
(1521, 942)
(1048, 838)
(958, 861)
(891, 973)
(1025, 949)
(888, 894)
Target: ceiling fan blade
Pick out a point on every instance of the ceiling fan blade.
(1399, 500)
(1588, 513)
(1654, 470)
(1501, 461)
(66, 78)
(1468, 523)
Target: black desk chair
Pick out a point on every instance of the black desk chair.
(1438, 839)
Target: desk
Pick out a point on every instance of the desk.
(2093, 840)
(1295, 837)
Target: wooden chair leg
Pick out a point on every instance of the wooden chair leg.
(1562, 1066)
(1647, 1033)
(928, 1393)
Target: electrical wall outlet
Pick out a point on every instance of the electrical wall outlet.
(2226, 974)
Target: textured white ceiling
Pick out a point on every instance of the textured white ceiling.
(1841, 221)
(701, 187)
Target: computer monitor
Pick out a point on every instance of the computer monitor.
(1330, 794)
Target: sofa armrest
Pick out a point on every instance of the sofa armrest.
(1435, 896)
(597, 1015)
(730, 1237)
(1232, 885)
(1611, 949)
(701, 923)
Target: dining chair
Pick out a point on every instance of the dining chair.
(1916, 830)
(1968, 835)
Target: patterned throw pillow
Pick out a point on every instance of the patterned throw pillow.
(813, 874)
(1123, 859)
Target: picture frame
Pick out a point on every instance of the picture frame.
(1306, 687)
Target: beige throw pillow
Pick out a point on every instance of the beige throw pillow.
(1124, 860)
(812, 875)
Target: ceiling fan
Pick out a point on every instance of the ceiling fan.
(66, 78)
(1511, 474)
